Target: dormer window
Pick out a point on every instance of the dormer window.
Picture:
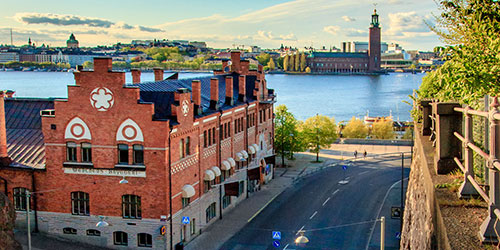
(71, 151)
(123, 154)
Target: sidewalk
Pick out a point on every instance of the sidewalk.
(40, 241)
(216, 234)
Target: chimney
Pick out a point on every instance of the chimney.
(10, 93)
(4, 156)
(196, 87)
(242, 89)
(158, 74)
(103, 64)
(136, 75)
(245, 64)
(235, 61)
(224, 64)
(214, 93)
(229, 91)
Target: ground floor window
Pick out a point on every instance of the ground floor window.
(20, 199)
(93, 232)
(193, 226)
(210, 212)
(226, 201)
(185, 202)
(120, 238)
(69, 230)
(144, 240)
(241, 188)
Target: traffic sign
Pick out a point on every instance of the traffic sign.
(344, 167)
(398, 235)
(185, 220)
(163, 230)
(276, 243)
(276, 235)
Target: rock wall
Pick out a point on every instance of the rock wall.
(423, 226)
(7, 222)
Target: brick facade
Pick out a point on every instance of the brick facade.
(186, 141)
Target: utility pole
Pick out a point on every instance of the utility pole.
(28, 217)
(402, 194)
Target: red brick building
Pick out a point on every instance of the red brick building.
(143, 157)
(350, 62)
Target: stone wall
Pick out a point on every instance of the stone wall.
(7, 221)
(423, 226)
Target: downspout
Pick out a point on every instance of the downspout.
(33, 187)
(170, 187)
(220, 163)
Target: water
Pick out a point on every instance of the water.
(305, 95)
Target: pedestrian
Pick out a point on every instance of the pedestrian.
(364, 154)
(356, 154)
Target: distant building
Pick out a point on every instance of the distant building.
(350, 61)
(361, 47)
(254, 49)
(72, 43)
(9, 57)
(199, 45)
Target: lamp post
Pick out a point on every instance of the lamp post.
(291, 145)
(28, 194)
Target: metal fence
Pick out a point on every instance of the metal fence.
(457, 123)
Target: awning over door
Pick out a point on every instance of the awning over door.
(188, 191)
(232, 162)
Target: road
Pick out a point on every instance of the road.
(333, 215)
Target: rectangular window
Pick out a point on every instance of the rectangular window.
(20, 199)
(185, 202)
(221, 128)
(193, 226)
(225, 130)
(229, 129)
(181, 149)
(209, 137)
(213, 137)
(241, 188)
(144, 240)
(210, 212)
(93, 232)
(120, 238)
(131, 206)
(123, 154)
(188, 145)
(138, 154)
(80, 203)
(205, 139)
(86, 152)
(226, 201)
(71, 151)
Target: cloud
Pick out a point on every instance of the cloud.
(407, 24)
(331, 29)
(61, 20)
(268, 35)
(75, 20)
(356, 33)
(349, 19)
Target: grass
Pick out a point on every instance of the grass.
(473, 202)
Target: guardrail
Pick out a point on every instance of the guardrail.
(444, 131)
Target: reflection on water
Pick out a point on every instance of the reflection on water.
(305, 95)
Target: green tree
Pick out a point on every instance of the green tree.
(263, 58)
(271, 64)
(303, 62)
(297, 61)
(355, 129)
(285, 132)
(88, 65)
(318, 132)
(279, 62)
(308, 70)
(383, 130)
(286, 61)
(408, 133)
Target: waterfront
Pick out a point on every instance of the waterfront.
(305, 95)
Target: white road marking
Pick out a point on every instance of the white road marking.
(286, 246)
(326, 201)
(312, 216)
(363, 172)
(300, 230)
(335, 192)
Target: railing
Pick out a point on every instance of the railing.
(444, 131)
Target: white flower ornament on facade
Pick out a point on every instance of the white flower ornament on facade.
(185, 107)
(102, 99)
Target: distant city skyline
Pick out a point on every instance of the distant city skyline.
(221, 24)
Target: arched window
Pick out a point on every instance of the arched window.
(120, 238)
(131, 206)
(138, 154)
(181, 149)
(80, 203)
(20, 199)
(93, 232)
(144, 240)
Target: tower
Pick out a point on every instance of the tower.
(72, 43)
(374, 44)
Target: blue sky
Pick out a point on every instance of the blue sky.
(222, 23)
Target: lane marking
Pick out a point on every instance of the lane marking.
(379, 211)
(312, 216)
(326, 201)
(363, 172)
(286, 246)
(300, 230)
(262, 208)
(335, 192)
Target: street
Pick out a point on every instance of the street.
(333, 215)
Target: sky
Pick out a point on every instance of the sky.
(221, 23)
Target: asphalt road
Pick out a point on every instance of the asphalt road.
(333, 215)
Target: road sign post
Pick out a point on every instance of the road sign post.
(185, 220)
(382, 233)
(276, 235)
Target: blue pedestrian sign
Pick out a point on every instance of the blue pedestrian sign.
(398, 235)
(276, 243)
(344, 167)
(185, 220)
(276, 235)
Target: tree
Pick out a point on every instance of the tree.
(355, 129)
(318, 132)
(308, 70)
(303, 62)
(292, 63)
(271, 64)
(285, 131)
(88, 65)
(263, 58)
(285, 63)
(383, 130)
(297, 61)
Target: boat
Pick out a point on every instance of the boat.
(369, 120)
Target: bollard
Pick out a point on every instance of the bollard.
(382, 233)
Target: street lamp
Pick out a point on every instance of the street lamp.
(301, 240)
(101, 222)
(123, 181)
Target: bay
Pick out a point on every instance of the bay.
(305, 95)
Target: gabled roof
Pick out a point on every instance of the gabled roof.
(25, 141)
(161, 93)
